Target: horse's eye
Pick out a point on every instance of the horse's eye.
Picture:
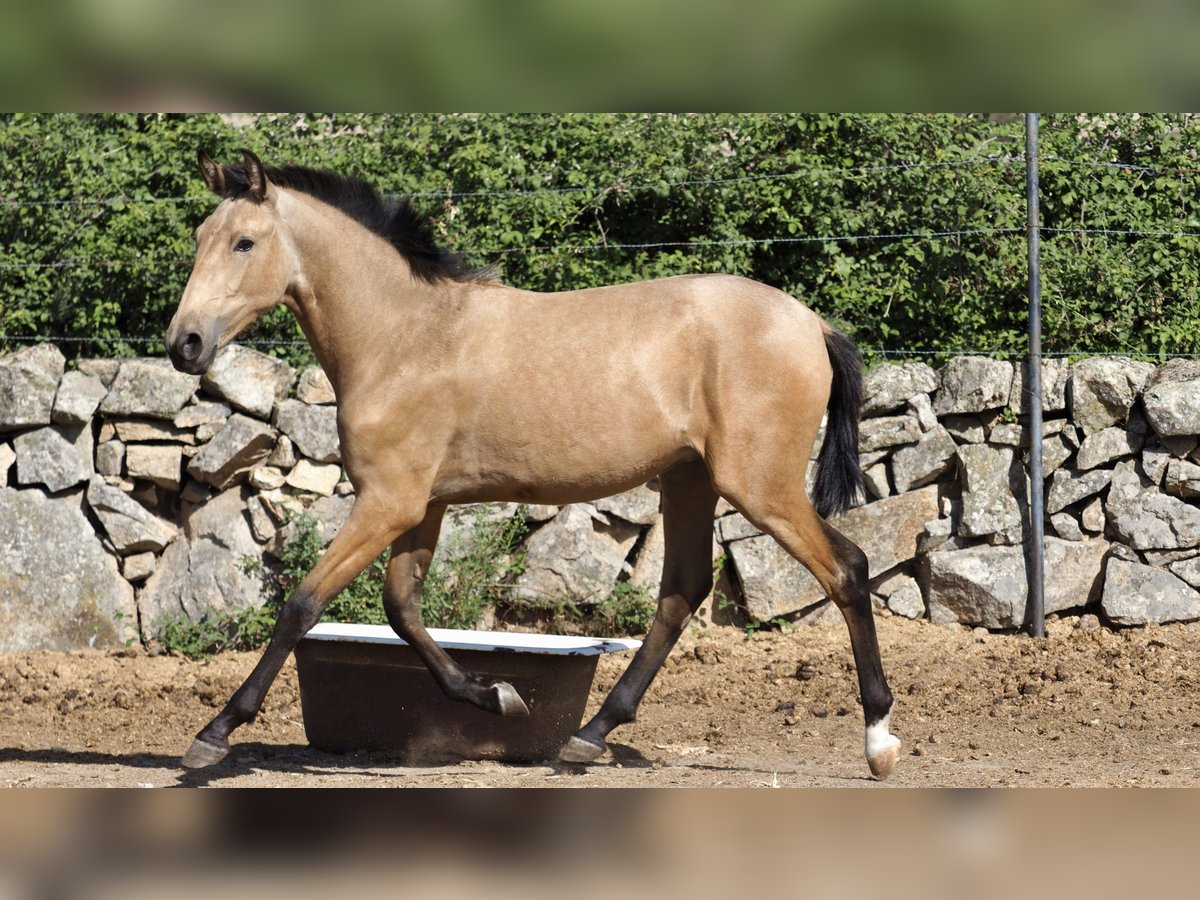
(244, 245)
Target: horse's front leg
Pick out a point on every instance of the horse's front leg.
(367, 532)
(412, 554)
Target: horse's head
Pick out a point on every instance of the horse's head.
(242, 267)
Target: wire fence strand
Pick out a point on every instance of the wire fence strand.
(1183, 230)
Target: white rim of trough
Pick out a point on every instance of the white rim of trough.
(464, 639)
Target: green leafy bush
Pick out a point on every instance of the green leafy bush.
(906, 230)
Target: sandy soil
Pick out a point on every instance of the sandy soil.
(1087, 706)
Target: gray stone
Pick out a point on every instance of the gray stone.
(972, 384)
(1154, 463)
(922, 407)
(905, 599)
(161, 464)
(987, 586)
(104, 370)
(138, 567)
(775, 584)
(145, 430)
(1179, 446)
(574, 557)
(194, 492)
(130, 526)
(647, 570)
(1008, 434)
(314, 387)
(540, 512)
(1172, 398)
(932, 456)
(1183, 479)
(283, 456)
(1147, 519)
(1102, 390)
(315, 478)
(241, 445)
(888, 431)
(639, 505)
(267, 478)
(313, 429)
(875, 480)
(205, 412)
(150, 388)
(59, 589)
(248, 380)
(7, 458)
(1135, 594)
(1162, 559)
(28, 381)
(209, 430)
(330, 514)
(993, 490)
(735, 527)
(58, 457)
(1188, 570)
(937, 533)
(1066, 527)
(889, 387)
(1056, 450)
(1054, 376)
(262, 523)
(77, 398)
(1105, 446)
(110, 458)
(969, 429)
(1092, 517)
(1067, 488)
(965, 429)
(207, 570)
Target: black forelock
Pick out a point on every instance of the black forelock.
(390, 217)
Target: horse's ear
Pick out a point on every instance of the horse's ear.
(212, 174)
(256, 178)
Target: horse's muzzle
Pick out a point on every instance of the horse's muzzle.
(189, 353)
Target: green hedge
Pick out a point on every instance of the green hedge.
(97, 214)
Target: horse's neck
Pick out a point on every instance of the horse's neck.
(355, 298)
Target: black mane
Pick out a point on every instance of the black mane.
(389, 217)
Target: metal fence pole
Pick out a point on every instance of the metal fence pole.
(1035, 607)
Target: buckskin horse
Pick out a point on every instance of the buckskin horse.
(454, 388)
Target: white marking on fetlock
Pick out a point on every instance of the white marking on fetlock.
(883, 747)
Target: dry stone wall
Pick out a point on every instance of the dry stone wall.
(132, 495)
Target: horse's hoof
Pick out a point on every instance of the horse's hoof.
(508, 701)
(202, 754)
(885, 760)
(577, 750)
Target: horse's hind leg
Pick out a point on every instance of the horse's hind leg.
(688, 503)
(840, 567)
(412, 554)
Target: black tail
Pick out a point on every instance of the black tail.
(839, 482)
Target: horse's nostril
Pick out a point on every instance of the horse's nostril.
(191, 346)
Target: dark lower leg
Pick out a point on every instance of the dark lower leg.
(349, 553)
(688, 503)
(850, 593)
(412, 554)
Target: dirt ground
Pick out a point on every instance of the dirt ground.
(1085, 707)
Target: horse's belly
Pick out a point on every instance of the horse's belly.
(555, 473)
